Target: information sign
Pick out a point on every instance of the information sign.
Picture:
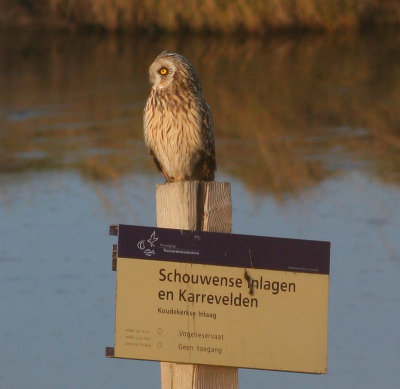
(221, 299)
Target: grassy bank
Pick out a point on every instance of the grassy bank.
(225, 16)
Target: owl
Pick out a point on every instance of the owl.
(178, 127)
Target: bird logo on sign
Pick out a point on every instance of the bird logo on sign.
(147, 246)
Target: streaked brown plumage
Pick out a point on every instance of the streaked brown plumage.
(178, 127)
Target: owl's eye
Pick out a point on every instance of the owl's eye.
(163, 71)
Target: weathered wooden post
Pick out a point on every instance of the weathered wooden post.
(206, 206)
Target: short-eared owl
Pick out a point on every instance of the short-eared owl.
(178, 128)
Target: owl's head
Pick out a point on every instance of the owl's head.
(171, 67)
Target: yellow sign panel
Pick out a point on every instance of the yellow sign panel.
(221, 315)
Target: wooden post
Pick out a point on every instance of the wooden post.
(206, 206)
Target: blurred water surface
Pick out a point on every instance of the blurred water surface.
(307, 131)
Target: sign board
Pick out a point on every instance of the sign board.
(221, 299)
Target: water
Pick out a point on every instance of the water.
(307, 132)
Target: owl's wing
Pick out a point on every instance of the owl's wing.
(207, 163)
(208, 131)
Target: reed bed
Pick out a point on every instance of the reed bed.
(222, 16)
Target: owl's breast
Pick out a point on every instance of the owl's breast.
(172, 130)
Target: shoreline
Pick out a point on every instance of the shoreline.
(135, 17)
